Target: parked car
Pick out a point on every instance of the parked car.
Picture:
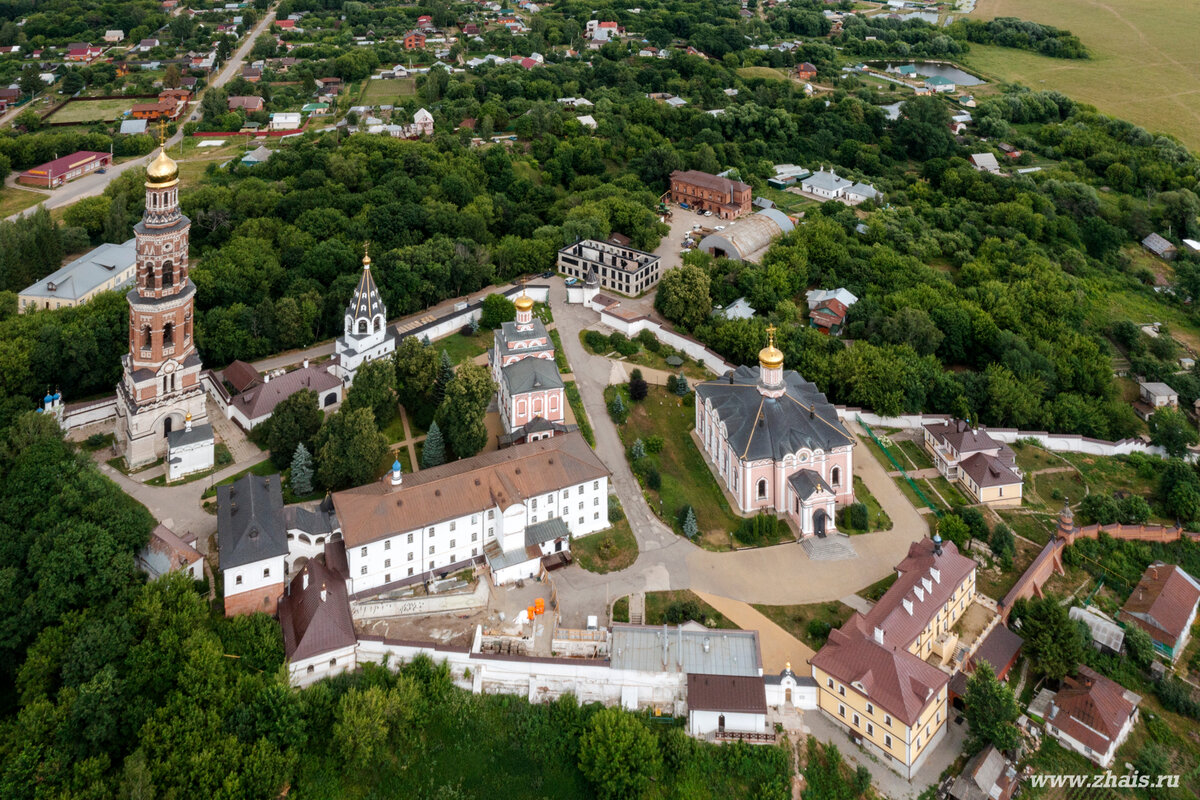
(720, 227)
(548, 273)
(684, 205)
(708, 213)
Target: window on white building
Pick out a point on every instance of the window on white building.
(387, 562)
(474, 537)
(491, 513)
(410, 538)
(430, 549)
(581, 520)
(596, 501)
(310, 669)
(595, 484)
(238, 580)
(451, 543)
(387, 544)
(410, 556)
(533, 503)
(596, 515)
(431, 531)
(566, 493)
(362, 571)
(410, 569)
(363, 552)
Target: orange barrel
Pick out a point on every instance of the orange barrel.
(532, 612)
(540, 605)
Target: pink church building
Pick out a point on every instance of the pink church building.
(530, 397)
(776, 444)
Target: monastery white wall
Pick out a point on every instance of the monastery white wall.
(693, 348)
(307, 671)
(253, 577)
(1061, 442)
(99, 411)
(702, 723)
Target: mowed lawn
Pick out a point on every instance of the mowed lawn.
(382, 92)
(1145, 64)
(96, 110)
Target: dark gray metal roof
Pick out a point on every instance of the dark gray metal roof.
(198, 433)
(508, 333)
(761, 427)
(807, 482)
(250, 521)
(366, 302)
(316, 522)
(529, 374)
(547, 531)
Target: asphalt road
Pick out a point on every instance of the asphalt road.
(95, 183)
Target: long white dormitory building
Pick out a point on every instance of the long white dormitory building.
(498, 506)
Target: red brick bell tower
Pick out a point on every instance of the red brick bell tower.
(161, 385)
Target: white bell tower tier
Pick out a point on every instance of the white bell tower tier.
(366, 336)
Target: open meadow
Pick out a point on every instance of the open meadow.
(95, 110)
(1145, 64)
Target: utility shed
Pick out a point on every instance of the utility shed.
(746, 237)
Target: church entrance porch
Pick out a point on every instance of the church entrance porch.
(819, 523)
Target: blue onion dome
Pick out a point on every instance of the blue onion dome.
(396, 466)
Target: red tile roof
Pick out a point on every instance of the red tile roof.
(891, 677)
(1091, 709)
(1163, 602)
(241, 376)
(732, 693)
(713, 183)
(926, 582)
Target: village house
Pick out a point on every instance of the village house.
(831, 186)
(987, 776)
(168, 552)
(706, 192)
(873, 677)
(1153, 395)
(1092, 715)
(256, 405)
(1164, 605)
(1159, 246)
(248, 103)
(775, 444)
(827, 309)
(986, 468)
(805, 71)
(414, 40)
(986, 162)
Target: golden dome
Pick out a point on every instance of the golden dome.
(162, 169)
(524, 302)
(770, 357)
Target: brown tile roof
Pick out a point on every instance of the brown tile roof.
(311, 624)
(988, 470)
(713, 183)
(962, 437)
(1163, 602)
(180, 551)
(491, 480)
(249, 102)
(891, 677)
(1091, 709)
(741, 693)
(926, 582)
(241, 376)
(261, 400)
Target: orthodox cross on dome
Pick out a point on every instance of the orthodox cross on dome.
(771, 335)
(367, 254)
(162, 132)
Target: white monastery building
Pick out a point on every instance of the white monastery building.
(775, 443)
(510, 507)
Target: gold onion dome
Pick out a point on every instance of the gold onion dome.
(524, 302)
(771, 357)
(162, 169)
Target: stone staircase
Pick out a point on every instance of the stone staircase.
(831, 548)
(637, 608)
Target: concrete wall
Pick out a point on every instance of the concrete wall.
(433, 604)
(455, 321)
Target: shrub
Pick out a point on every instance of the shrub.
(649, 341)
(654, 444)
(858, 517)
(620, 342)
(672, 384)
(596, 341)
(637, 386)
(617, 410)
(680, 611)
(818, 630)
(653, 479)
(638, 451)
(757, 529)
(615, 512)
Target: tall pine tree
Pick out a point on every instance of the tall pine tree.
(444, 376)
(434, 453)
(302, 470)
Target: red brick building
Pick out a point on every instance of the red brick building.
(704, 192)
(414, 40)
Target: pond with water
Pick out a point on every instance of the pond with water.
(929, 69)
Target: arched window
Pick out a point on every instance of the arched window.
(762, 489)
(835, 477)
(168, 274)
(378, 324)
(362, 326)
(147, 338)
(169, 335)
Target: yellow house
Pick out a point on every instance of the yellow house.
(985, 468)
(877, 677)
(108, 267)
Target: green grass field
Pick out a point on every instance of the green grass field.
(606, 551)
(770, 73)
(383, 92)
(95, 110)
(1145, 64)
(13, 200)
(796, 619)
